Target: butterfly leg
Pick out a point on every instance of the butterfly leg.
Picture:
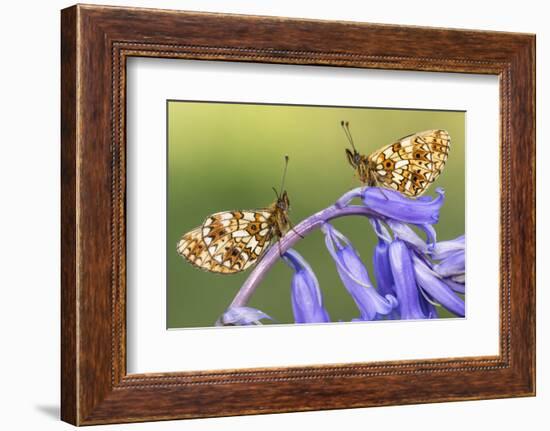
(380, 189)
(294, 230)
(383, 194)
(279, 246)
(364, 187)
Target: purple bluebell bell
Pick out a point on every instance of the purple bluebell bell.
(405, 285)
(452, 262)
(451, 255)
(355, 277)
(241, 316)
(383, 274)
(407, 234)
(444, 249)
(306, 297)
(452, 266)
(382, 268)
(394, 205)
(437, 289)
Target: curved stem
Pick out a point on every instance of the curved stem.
(347, 197)
(292, 237)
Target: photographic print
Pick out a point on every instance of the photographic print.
(300, 214)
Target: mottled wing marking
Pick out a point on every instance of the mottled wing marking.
(229, 241)
(194, 250)
(412, 163)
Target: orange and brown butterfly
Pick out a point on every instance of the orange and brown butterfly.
(232, 241)
(409, 165)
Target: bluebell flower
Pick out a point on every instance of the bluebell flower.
(436, 287)
(355, 277)
(383, 274)
(414, 273)
(382, 269)
(452, 266)
(451, 255)
(452, 262)
(414, 264)
(240, 316)
(407, 234)
(306, 297)
(392, 204)
(404, 279)
(444, 249)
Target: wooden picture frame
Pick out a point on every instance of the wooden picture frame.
(96, 41)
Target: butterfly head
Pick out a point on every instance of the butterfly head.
(355, 159)
(283, 203)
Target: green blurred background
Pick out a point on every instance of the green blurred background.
(226, 156)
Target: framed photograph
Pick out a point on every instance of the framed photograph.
(288, 207)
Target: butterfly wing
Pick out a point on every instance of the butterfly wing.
(412, 163)
(229, 241)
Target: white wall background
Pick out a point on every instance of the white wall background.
(29, 216)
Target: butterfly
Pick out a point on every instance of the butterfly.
(232, 241)
(408, 165)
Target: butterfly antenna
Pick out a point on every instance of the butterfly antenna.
(345, 127)
(284, 176)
